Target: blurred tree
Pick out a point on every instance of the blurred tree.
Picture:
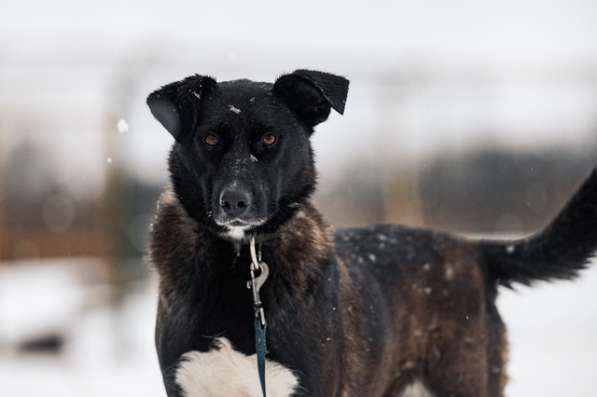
(493, 190)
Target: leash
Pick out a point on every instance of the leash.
(259, 274)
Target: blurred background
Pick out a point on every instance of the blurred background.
(477, 118)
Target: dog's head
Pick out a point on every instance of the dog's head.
(242, 161)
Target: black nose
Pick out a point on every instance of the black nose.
(235, 201)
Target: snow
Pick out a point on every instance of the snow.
(553, 337)
(122, 126)
(234, 109)
(106, 353)
(55, 300)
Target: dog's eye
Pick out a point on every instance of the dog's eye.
(269, 139)
(211, 139)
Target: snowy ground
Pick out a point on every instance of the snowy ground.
(553, 338)
(553, 334)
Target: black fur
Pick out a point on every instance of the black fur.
(177, 105)
(362, 312)
(312, 94)
(558, 252)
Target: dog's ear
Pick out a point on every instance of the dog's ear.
(177, 106)
(311, 94)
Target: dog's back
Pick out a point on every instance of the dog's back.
(437, 320)
(426, 312)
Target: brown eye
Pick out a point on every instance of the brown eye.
(211, 140)
(269, 139)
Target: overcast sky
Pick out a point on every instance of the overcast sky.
(500, 27)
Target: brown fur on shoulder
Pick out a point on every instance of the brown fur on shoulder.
(175, 239)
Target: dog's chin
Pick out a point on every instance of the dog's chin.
(238, 231)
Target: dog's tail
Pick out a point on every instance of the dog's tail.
(560, 251)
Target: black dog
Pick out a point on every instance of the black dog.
(373, 311)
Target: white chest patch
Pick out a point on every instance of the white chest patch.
(225, 372)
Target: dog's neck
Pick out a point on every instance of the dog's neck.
(182, 251)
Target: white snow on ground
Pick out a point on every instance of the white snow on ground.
(33, 295)
(553, 334)
(106, 354)
(553, 338)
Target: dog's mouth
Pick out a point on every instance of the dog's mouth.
(239, 222)
(239, 229)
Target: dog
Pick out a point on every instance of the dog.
(377, 311)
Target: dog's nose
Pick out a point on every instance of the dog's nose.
(235, 201)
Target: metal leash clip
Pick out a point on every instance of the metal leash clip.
(259, 274)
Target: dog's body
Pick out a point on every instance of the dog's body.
(360, 312)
